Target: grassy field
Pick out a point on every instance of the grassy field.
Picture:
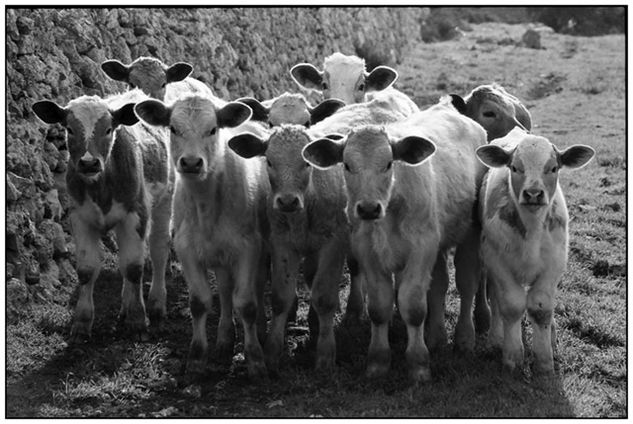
(574, 89)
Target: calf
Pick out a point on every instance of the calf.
(117, 179)
(306, 212)
(525, 238)
(344, 77)
(494, 109)
(498, 112)
(409, 199)
(219, 221)
(156, 79)
(291, 109)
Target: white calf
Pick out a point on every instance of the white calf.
(525, 238)
(408, 199)
(156, 79)
(290, 109)
(117, 178)
(219, 221)
(344, 77)
(494, 109)
(306, 212)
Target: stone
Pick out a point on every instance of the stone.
(531, 39)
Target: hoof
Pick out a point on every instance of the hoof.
(482, 322)
(420, 375)
(78, 337)
(324, 363)
(157, 318)
(352, 319)
(224, 353)
(436, 339)
(543, 370)
(375, 370)
(196, 366)
(464, 348)
(257, 371)
(81, 332)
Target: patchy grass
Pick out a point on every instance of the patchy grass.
(114, 376)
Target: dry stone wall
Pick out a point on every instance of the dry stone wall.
(56, 54)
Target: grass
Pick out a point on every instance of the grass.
(114, 376)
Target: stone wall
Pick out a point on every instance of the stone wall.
(56, 54)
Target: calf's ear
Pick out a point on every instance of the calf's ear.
(323, 153)
(576, 156)
(49, 112)
(413, 149)
(379, 78)
(248, 145)
(124, 116)
(116, 70)
(458, 103)
(154, 112)
(324, 109)
(307, 76)
(523, 116)
(233, 114)
(260, 112)
(178, 72)
(493, 156)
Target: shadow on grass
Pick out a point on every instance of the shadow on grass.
(114, 376)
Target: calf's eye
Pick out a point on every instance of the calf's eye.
(70, 131)
(108, 131)
(513, 168)
(388, 167)
(489, 114)
(324, 85)
(347, 167)
(212, 131)
(361, 87)
(173, 130)
(554, 169)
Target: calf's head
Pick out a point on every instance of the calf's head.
(148, 74)
(90, 129)
(534, 164)
(291, 109)
(497, 111)
(194, 123)
(368, 155)
(343, 77)
(288, 173)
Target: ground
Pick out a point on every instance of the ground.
(574, 88)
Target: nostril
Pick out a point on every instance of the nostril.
(191, 164)
(533, 195)
(90, 165)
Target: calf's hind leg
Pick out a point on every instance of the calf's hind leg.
(285, 270)
(324, 299)
(131, 259)
(159, 254)
(245, 302)
(467, 277)
(199, 304)
(435, 327)
(412, 300)
(88, 267)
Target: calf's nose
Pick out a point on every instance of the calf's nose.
(533, 195)
(190, 164)
(288, 202)
(89, 165)
(368, 210)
